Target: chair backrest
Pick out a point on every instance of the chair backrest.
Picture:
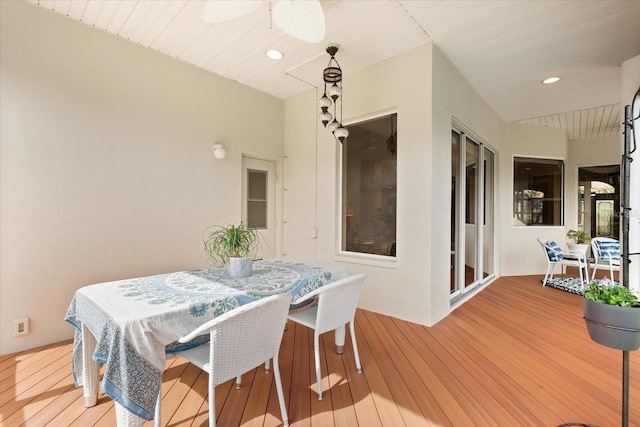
(337, 302)
(247, 336)
(605, 248)
(552, 250)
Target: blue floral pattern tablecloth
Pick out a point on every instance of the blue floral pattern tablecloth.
(135, 321)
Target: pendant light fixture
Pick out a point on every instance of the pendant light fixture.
(392, 141)
(332, 76)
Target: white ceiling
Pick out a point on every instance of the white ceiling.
(503, 48)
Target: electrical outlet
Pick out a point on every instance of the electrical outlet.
(20, 326)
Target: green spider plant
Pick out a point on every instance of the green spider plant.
(231, 241)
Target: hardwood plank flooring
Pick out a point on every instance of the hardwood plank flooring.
(516, 354)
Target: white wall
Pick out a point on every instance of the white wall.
(453, 98)
(428, 92)
(401, 84)
(106, 164)
(300, 175)
(520, 253)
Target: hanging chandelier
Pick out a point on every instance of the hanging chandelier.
(332, 76)
(392, 141)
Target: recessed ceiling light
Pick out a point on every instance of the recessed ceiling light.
(551, 80)
(274, 54)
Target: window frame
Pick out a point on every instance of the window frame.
(385, 261)
(563, 177)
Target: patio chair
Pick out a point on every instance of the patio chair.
(555, 255)
(240, 340)
(337, 303)
(606, 252)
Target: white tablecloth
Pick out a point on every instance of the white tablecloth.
(136, 320)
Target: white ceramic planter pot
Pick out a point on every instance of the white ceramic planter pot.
(579, 247)
(240, 267)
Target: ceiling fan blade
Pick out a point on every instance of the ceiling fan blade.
(225, 10)
(301, 19)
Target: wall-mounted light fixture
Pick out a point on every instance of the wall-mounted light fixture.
(332, 75)
(218, 151)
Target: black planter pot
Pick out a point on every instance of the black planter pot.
(613, 326)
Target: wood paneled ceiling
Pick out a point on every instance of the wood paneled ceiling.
(503, 48)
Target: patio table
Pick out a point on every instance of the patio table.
(130, 324)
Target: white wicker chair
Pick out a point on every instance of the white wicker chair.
(336, 307)
(606, 252)
(554, 254)
(241, 340)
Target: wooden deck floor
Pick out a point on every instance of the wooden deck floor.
(517, 354)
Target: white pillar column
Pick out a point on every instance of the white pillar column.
(630, 82)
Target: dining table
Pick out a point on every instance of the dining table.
(131, 325)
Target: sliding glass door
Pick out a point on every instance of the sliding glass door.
(472, 211)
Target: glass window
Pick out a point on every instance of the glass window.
(537, 191)
(471, 169)
(369, 187)
(599, 200)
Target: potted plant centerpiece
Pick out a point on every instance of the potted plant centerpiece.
(234, 245)
(578, 241)
(612, 314)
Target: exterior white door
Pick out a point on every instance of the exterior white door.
(259, 202)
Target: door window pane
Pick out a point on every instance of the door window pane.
(537, 191)
(455, 162)
(470, 232)
(369, 187)
(488, 192)
(471, 169)
(257, 199)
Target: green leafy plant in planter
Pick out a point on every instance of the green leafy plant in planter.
(578, 236)
(612, 314)
(605, 293)
(578, 241)
(233, 244)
